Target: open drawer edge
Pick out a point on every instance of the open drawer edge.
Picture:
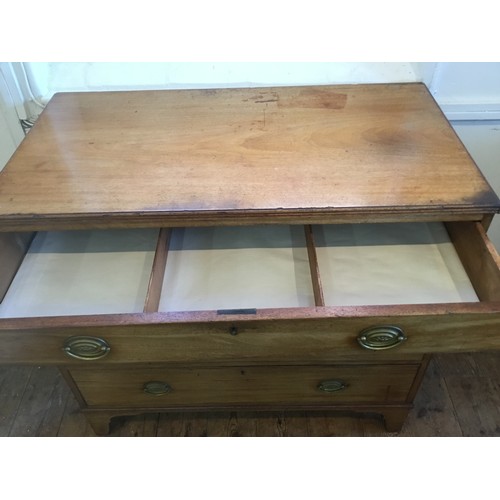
(479, 258)
(285, 335)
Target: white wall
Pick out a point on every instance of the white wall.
(7, 143)
(458, 87)
(468, 91)
(48, 78)
(11, 132)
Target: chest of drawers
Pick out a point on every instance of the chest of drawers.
(260, 248)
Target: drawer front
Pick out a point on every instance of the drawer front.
(309, 335)
(316, 339)
(179, 387)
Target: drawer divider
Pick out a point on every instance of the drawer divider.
(157, 272)
(319, 301)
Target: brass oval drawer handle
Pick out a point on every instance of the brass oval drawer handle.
(156, 388)
(86, 348)
(332, 385)
(378, 338)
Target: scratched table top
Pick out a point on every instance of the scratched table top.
(238, 156)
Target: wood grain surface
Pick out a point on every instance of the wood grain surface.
(225, 386)
(178, 157)
(320, 335)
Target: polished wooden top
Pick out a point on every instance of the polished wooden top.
(290, 154)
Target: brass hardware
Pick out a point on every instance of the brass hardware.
(156, 388)
(332, 385)
(378, 338)
(237, 311)
(86, 348)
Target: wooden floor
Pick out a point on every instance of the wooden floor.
(460, 396)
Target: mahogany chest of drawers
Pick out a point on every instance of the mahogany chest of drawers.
(259, 248)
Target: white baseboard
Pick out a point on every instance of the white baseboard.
(471, 111)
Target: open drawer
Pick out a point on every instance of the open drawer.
(267, 294)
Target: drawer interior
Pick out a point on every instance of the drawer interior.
(327, 265)
(381, 264)
(252, 267)
(236, 267)
(82, 272)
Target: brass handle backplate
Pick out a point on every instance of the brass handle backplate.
(156, 388)
(86, 348)
(378, 338)
(332, 385)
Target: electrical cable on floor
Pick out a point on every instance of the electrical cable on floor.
(27, 124)
(28, 86)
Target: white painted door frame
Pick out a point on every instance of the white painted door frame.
(11, 131)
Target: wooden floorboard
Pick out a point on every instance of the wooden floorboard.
(13, 383)
(36, 402)
(459, 396)
(434, 412)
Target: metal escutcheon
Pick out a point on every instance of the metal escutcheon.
(86, 348)
(156, 388)
(332, 385)
(378, 338)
